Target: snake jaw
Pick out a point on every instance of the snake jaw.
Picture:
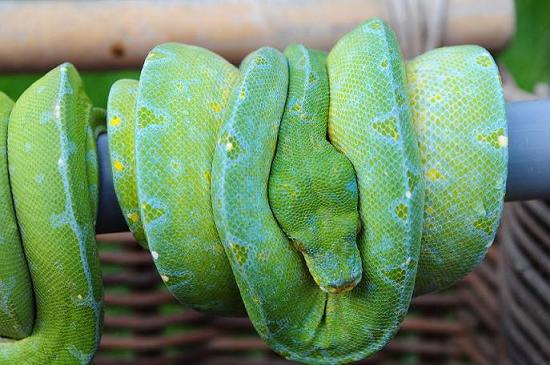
(340, 288)
(337, 270)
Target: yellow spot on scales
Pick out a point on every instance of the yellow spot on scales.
(118, 165)
(226, 93)
(434, 174)
(436, 98)
(115, 121)
(375, 25)
(216, 107)
(229, 146)
(164, 278)
(134, 217)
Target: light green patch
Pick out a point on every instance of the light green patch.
(412, 179)
(151, 213)
(231, 145)
(387, 128)
(260, 60)
(484, 61)
(400, 99)
(402, 211)
(146, 117)
(484, 224)
(397, 275)
(241, 253)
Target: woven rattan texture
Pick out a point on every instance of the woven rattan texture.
(525, 278)
(145, 325)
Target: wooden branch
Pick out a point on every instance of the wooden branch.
(118, 34)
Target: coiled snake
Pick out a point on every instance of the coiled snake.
(316, 193)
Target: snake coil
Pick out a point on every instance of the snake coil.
(315, 193)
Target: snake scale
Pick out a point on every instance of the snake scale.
(316, 193)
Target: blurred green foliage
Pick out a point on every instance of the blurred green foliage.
(527, 57)
(97, 83)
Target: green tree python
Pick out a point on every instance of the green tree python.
(316, 193)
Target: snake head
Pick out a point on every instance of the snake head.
(330, 251)
(316, 206)
(312, 187)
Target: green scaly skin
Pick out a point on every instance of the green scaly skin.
(317, 193)
(53, 178)
(16, 300)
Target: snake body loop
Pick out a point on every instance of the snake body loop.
(317, 193)
(53, 183)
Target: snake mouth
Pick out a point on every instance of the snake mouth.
(340, 287)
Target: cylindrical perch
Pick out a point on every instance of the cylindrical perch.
(113, 34)
(528, 165)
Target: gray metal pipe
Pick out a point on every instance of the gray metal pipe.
(529, 150)
(528, 163)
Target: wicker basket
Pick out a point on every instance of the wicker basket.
(145, 325)
(525, 289)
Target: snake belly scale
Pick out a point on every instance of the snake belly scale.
(314, 192)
